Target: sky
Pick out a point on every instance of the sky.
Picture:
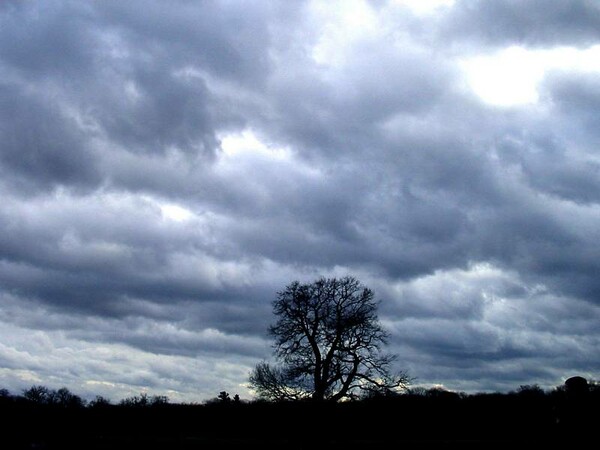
(167, 167)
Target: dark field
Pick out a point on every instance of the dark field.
(434, 418)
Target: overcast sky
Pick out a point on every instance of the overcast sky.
(167, 167)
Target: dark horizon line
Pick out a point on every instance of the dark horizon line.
(41, 394)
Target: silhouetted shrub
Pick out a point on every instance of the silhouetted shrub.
(136, 401)
(417, 391)
(6, 397)
(159, 400)
(224, 397)
(99, 402)
(144, 400)
(530, 391)
(442, 394)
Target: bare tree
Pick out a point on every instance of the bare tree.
(38, 394)
(224, 397)
(328, 340)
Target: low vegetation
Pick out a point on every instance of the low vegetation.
(44, 418)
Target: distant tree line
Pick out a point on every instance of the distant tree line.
(574, 388)
(63, 397)
(40, 417)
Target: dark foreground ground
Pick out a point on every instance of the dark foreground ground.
(435, 420)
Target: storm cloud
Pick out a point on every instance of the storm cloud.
(166, 169)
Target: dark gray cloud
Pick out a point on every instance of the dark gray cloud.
(41, 147)
(336, 113)
(484, 327)
(165, 170)
(82, 80)
(530, 22)
(43, 41)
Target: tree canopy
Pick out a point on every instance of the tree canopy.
(328, 341)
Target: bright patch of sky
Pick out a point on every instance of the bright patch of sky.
(169, 211)
(343, 24)
(247, 143)
(422, 7)
(511, 76)
(175, 212)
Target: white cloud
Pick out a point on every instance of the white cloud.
(58, 358)
(339, 26)
(506, 79)
(511, 76)
(247, 143)
(424, 7)
(176, 212)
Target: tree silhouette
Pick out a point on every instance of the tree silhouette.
(328, 340)
(65, 398)
(144, 400)
(224, 397)
(61, 397)
(38, 394)
(99, 402)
